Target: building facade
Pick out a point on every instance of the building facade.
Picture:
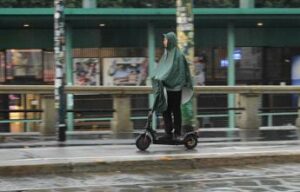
(109, 46)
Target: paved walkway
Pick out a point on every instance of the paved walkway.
(126, 157)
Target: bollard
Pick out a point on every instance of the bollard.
(121, 124)
(249, 121)
(48, 116)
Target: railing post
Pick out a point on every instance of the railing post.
(249, 121)
(298, 119)
(121, 124)
(48, 116)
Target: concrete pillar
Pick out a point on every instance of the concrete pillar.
(247, 3)
(238, 105)
(249, 121)
(89, 3)
(48, 116)
(121, 124)
(298, 119)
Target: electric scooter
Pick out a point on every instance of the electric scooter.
(143, 141)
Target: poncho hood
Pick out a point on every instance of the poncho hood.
(172, 40)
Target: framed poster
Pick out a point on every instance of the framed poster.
(2, 67)
(86, 71)
(23, 63)
(125, 71)
(48, 66)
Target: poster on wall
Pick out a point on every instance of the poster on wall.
(125, 71)
(2, 67)
(295, 78)
(86, 71)
(48, 66)
(24, 62)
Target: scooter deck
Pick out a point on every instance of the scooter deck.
(168, 142)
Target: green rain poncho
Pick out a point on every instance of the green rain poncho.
(172, 74)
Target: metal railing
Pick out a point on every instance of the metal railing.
(127, 90)
(270, 117)
(132, 90)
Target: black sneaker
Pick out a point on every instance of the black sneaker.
(177, 137)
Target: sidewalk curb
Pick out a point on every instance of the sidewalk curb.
(147, 163)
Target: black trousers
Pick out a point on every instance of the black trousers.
(172, 116)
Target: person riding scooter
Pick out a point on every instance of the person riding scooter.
(172, 86)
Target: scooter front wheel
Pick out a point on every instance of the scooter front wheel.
(190, 141)
(143, 141)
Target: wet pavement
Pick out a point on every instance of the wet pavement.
(122, 168)
(91, 138)
(270, 177)
(45, 160)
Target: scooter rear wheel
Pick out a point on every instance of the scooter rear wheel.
(143, 141)
(190, 141)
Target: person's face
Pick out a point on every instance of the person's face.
(165, 42)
